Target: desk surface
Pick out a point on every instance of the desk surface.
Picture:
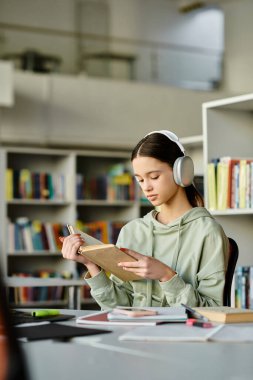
(105, 357)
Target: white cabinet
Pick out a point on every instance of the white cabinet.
(228, 131)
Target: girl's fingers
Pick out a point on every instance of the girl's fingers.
(71, 245)
(131, 253)
(130, 264)
(135, 271)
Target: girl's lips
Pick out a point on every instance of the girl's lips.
(152, 196)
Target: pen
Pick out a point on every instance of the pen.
(194, 313)
(44, 313)
(70, 229)
(198, 323)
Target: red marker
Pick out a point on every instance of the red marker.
(197, 323)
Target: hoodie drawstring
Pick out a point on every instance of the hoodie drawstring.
(150, 252)
(175, 256)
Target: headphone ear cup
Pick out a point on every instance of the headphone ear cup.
(183, 171)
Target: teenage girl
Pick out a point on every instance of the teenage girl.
(180, 250)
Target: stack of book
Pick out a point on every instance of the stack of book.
(34, 235)
(25, 184)
(25, 294)
(25, 235)
(244, 287)
(105, 231)
(116, 184)
(230, 183)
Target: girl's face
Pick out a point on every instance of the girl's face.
(156, 180)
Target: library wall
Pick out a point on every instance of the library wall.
(238, 58)
(238, 29)
(138, 20)
(82, 111)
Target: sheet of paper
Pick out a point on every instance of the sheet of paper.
(174, 332)
(241, 332)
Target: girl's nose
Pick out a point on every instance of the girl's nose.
(147, 186)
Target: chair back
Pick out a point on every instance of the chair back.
(232, 260)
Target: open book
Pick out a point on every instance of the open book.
(106, 256)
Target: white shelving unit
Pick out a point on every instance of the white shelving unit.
(228, 131)
(63, 211)
(67, 210)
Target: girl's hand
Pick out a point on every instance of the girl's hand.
(70, 246)
(147, 267)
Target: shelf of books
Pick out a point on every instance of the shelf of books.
(45, 189)
(228, 162)
(244, 287)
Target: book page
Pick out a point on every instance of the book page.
(89, 240)
(222, 310)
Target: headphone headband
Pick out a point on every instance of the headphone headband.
(172, 136)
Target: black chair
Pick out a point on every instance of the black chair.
(232, 260)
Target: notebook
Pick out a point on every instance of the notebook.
(164, 315)
(21, 317)
(54, 331)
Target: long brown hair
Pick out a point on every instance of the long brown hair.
(162, 148)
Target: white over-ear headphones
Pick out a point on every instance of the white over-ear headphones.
(183, 168)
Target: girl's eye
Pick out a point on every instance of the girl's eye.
(155, 177)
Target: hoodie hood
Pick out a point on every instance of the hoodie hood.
(188, 217)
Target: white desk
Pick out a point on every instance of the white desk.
(104, 357)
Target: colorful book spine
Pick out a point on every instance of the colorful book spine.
(230, 183)
(105, 231)
(244, 287)
(9, 194)
(24, 184)
(116, 184)
(211, 186)
(22, 295)
(34, 235)
(222, 185)
(242, 184)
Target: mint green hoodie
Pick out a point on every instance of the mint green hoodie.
(194, 245)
